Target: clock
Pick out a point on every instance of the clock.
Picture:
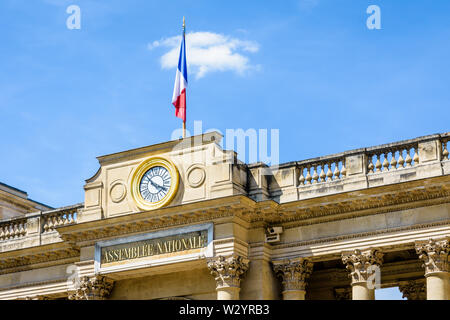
(154, 183)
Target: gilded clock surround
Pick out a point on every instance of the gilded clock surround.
(138, 174)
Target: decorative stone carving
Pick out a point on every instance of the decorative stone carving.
(93, 288)
(118, 191)
(414, 289)
(343, 293)
(434, 254)
(360, 264)
(228, 271)
(293, 272)
(196, 175)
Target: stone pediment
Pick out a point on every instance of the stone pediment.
(205, 172)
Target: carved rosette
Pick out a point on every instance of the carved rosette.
(92, 288)
(294, 273)
(228, 270)
(360, 263)
(434, 254)
(414, 289)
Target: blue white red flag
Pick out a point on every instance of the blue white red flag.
(179, 90)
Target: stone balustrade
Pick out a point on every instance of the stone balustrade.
(13, 229)
(392, 157)
(58, 218)
(323, 170)
(28, 230)
(445, 147)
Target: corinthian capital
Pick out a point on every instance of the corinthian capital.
(228, 270)
(93, 288)
(362, 264)
(434, 254)
(293, 272)
(414, 289)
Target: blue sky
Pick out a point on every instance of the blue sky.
(310, 68)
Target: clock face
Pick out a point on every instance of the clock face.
(155, 184)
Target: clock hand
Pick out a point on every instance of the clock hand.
(157, 185)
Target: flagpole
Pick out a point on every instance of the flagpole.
(184, 121)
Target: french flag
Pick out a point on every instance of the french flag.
(179, 90)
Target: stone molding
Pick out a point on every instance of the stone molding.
(293, 272)
(359, 262)
(92, 288)
(434, 254)
(228, 270)
(414, 289)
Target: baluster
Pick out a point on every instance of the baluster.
(343, 170)
(408, 158)
(22, 230)
(393, 161)
(302, 178)
(46, 226)
(378, 164)
(308, 176)
(60, 219)
(2, 232)
(329, 173)
(67, 218)
(322, 173)
(445, 151)
(7, 231)
(370, 166)
(315, 175)
(400, 159)
(385, 162)
(337, 173)
(416, 157)
(49, 223)
(15, 230)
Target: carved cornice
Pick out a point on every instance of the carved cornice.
(92, 288)
(298, 213)
(362, 235)
(227, 271)
(20, 263)
(414, 289)
(338, 207)
(360, 263)
(434, 254)
(293, 272)
(150, 224)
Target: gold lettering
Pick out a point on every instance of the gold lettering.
(184, 243)
(177, 245)
(133, 253)
(152, 247)
(160, 250)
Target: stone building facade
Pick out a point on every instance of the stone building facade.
(187, 220)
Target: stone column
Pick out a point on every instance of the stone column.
(227, 272)
(363, 267)
(294, 274)
(92, 288)
(413, 289)
(435, 255)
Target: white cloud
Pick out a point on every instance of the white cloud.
(208, 52)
